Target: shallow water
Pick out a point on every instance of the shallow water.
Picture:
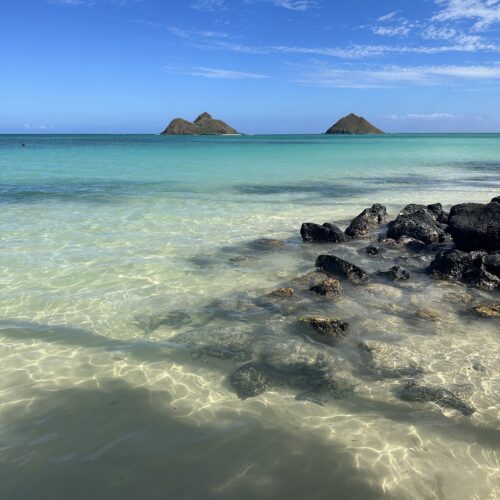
(131, 290)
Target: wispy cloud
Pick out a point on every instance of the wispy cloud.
(42, 126)
(208, 4)
(483, 12)
(89, 3)
(297, 5)
(389, 76)
(421, 117)
(215, 73)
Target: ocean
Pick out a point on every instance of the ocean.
(134, 281)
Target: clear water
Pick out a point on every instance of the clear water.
(122, 255)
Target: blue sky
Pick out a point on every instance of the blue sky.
(264, 66)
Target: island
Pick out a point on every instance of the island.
(353, 124)
(203, 125)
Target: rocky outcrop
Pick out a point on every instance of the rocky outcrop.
(418, 222)
(439, 395)
(326, 233)
(353, 124)
(360, 226)
(203, 125)
(328, 287)
(473, 268)
(475, 226)
(332, 264)
(326, 329)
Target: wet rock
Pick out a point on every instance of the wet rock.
(250, 380)
(310, 279)
(329, 287)
(283, 293)
(390, 361)
(496, 199)
(436, 211)
(492, 264)
(374, 251)
(428, 314)
(360, 225)
(488, 310)
(326, 329)
(467, 267)
(438, 395)
(418, 222)
(340, 267)
(395, 273)
(326, 233)
(474, 226)
(267, 244)
(172, 319)
(222, 343)
(327, 389)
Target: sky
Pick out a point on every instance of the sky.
(264, 66)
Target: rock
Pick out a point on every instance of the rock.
(326, 329)
(417, 222)
(327, 233)
(428, 314)
(326, 389)
(396, 273)
(467, 267)
(310, 279)
(267, 244)
(173, 319)
(374, 251)
(474, 226)
(340, 267)
(488, 310)
(329, 288)
(203, 125)
(353, 124)
(496, 199)
(250, 380)
(439, 395)
(284, 293)
(390, 361)
(360, 226)
(437, 212)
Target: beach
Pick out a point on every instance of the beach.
(135, 278)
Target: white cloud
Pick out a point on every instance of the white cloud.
(390, 76)
(401, 30)
(207, 4)
(29, 126)
(483, 12)
(215, 73)
(297, 5)
(422, 116)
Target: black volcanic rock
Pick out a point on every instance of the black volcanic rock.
(324, 233)
(352, 124)
(336, 266)
(475, 226)
(203, 125)
(360, 226)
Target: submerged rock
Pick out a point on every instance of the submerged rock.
(326, 233)
(329, 287)
(250, 380)
(326, 329)
(310, 279)
(340, 267)
(474, 226)
(284, 293)
(390, 361)
(488, 310)
(360, 225)
(473, 268)
(374, 250)
(439, 395)
(418, 222)
(396, 273)
(267, 244)
(428, 314)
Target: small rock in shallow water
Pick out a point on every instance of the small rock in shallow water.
(326, 389)
(284, 293)
(390, 361)
(328, 287)
(326, 329)
(326, 233)
(310, 279)
(250, 380)
(439, 395)
(428, 314)
(267, 244)
(340, 267)
(488, 310)
(396, 273)
(374, 251)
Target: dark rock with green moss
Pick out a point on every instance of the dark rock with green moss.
(353, 124)
(203, 125)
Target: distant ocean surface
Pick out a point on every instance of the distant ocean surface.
(126, 258)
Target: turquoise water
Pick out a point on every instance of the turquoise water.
(115, 249)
